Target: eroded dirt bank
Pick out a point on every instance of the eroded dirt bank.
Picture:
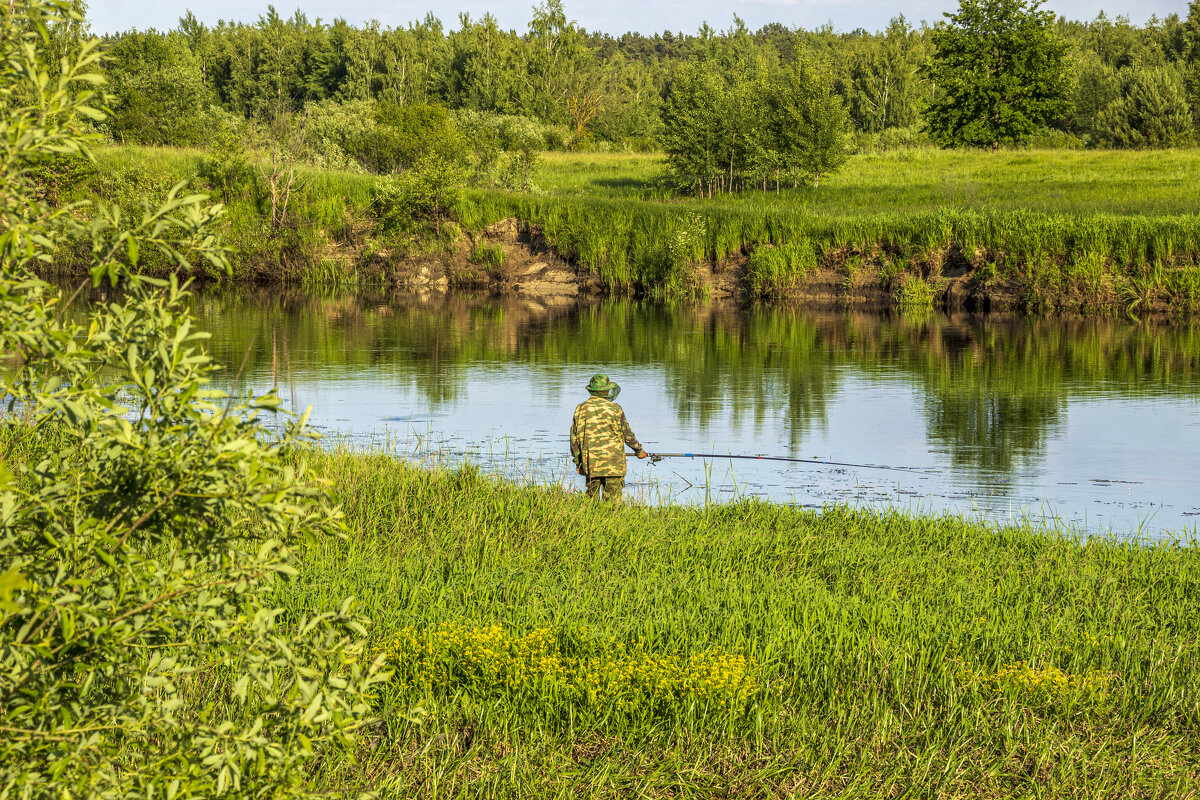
(513, 257)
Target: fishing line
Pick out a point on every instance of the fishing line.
(656, 457)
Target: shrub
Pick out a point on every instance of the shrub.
(404, 136)
(227, 169)
(146, 529)
(431, 192)
(333, 130)
(56, 173)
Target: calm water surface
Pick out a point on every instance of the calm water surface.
(1089, 423)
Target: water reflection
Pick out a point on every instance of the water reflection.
(1003, 406)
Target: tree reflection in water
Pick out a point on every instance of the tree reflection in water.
(991, 389)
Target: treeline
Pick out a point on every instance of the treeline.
(597, 89)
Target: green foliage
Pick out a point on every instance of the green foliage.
(503, 149)
(1000, 74)
(730, 134)
(916, 293)
(1190, 58)
(807, 124)
(159, 96)
(334, 130)
(142, 648)
(403, 137)
(687, 244)
(1151, 110)
(597, 92)
(430, 192)
(776, 270)
(882, 83)
(1096, 87)
(509, 132)
(227, 168)
(490, 256)
(692, 117)
(58, 173)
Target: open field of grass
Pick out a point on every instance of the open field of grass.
(546, 646)
(1089, 231)
(1150, 183)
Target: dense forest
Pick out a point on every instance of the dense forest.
(732, 108)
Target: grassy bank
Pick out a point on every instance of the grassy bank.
(1037, 230)
(548, 646)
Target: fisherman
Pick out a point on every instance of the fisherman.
(599, 432)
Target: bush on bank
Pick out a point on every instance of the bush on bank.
(145, 520)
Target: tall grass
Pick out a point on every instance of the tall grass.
(624, 242)
(550, 646)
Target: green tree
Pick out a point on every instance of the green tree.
(486, 67)
(556, 55)
(999, 74)
(158, 90)
(1151, 111)
(141, 653)
(691, 115)
(1190, 58)
(1096, 86)
(884, 83)
(808, 123)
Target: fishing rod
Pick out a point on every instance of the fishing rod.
(657, 457)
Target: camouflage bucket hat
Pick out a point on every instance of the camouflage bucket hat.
(600, 384)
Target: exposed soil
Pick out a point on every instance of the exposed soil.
(513, 258)
(530, 270)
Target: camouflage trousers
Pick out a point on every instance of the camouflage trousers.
(612, 485)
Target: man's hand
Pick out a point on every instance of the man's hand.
(580, 470)
(642, 454)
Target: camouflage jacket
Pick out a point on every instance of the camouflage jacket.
(599, 433)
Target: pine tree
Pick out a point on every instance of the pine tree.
(1190, 60)
(1151, 112)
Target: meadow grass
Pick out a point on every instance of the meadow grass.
(1144, 182)
(544, 645)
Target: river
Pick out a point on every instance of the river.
(1088, 424)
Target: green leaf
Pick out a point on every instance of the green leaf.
(11, 582)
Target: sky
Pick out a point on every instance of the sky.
(611, 16)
